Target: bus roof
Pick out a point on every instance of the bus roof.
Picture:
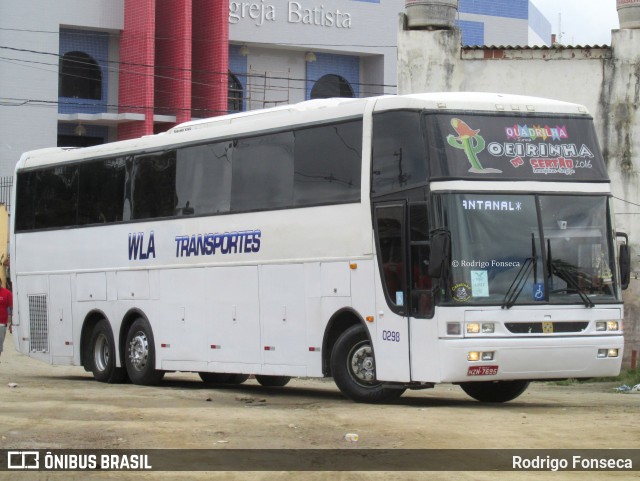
(302, 113)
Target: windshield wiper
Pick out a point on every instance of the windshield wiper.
(516, 287)
(557, 268)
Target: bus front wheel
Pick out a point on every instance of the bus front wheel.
(494, 391)
(353, 368)
(140, 357)
(102, 355)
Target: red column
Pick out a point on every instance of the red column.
(210, 57)
(173, 58)
(136, 85)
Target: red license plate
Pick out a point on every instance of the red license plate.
(482, 371)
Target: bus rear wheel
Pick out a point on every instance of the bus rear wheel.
(102, 355)
(353, 368)
(494, 391)
(140, 358)
(272, 381)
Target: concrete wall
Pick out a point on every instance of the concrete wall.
(606, 80)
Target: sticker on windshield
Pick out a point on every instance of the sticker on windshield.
(480, 283)
(538, 292)
(461, 292)
(472, 143)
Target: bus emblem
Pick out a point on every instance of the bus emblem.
(137, 249)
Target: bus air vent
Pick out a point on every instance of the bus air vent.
(38, 324)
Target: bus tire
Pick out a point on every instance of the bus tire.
(140, 354)
(237, 378)
(272, 381)
(214, 377)
(353, 368)
(102, 355)
(494, 391)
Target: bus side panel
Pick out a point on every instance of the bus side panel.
(232, 333)
(180, 317)
(282, 317)
(60, 319)
(390, 337)
(425, 349)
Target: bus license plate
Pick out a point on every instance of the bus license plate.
(482, 371)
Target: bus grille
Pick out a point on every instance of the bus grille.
(547, 328)
(38, 324)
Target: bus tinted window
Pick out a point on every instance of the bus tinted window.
(101, 194)
(57, 200)
(203, 179)
(327, 164)
(154, 185)
(26, 190)
(262, 175)
(311, 166)
(399, 159)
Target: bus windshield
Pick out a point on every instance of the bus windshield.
(525, 249)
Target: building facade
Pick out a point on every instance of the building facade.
(82, 73)
(603, 78)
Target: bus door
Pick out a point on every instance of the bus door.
(391, 341)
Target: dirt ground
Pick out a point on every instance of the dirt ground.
(60, 407)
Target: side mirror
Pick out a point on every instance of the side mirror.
(624, 259)
(440, 252)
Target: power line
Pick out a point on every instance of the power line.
(196, 39)
(626, 202)
(181, 69)
(89, 66)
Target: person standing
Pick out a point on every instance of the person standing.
(6, 304)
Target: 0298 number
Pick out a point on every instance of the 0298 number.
(392, 336)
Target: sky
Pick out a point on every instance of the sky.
(584, 22)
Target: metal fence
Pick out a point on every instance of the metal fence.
(6, 183)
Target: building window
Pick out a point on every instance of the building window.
(235, 94)
(331, 85)
(80, 77)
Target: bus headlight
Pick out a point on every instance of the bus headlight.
(487, 356)
(484, 328)
(604, 353)
(488, 328)
(602, 326)
(473, 328)
(474, 356)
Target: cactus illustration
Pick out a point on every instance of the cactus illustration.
(472, 144)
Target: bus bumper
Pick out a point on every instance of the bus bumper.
(532, 358)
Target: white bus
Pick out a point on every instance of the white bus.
(391, 243)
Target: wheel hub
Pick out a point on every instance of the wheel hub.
(362, 364)
(101, 352)
(139, 351)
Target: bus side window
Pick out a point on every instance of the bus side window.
(421, 285)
